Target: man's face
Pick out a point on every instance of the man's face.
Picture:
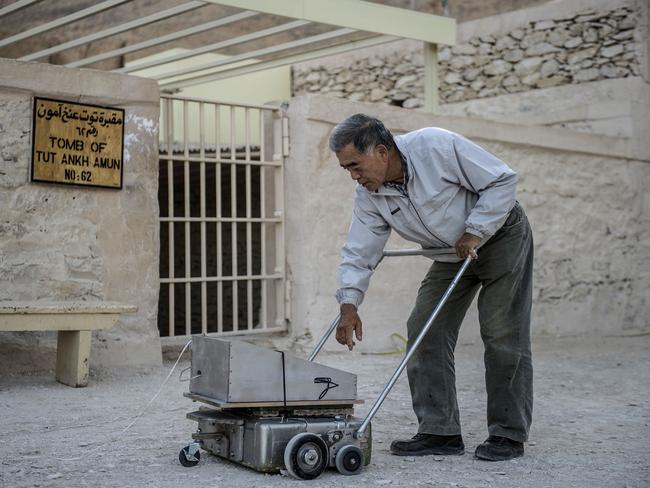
(369, 169)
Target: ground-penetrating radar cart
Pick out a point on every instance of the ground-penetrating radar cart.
(270, 411)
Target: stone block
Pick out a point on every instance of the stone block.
(412, 103)
(459, 62)
(477, 85)
(452, 78)
(549, 68)
(611, 51)
(586, 75)
(531, 79)
(517, 34)
(544, 25)
(400, 96)
(377, 94)
(573, 42)
(590, 35)
(497, 67)
(505, 42)
(444, 54)
(611, 71)
(558, 37)
(628, 22)
(624, 35)
(454, 96)
(528, 66)
(313, 77)
(514, 55)
(510, 81)
(552, 81)
(579, 56)
(532, 39)
(471, 74)
(406, 80)
(590, 17)
(541, 49)
(485, 48)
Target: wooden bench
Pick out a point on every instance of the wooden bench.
(74, 322)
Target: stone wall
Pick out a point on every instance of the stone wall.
(71, 243)
(602, 41)
(585, 195)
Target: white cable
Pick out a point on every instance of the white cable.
(171, 371)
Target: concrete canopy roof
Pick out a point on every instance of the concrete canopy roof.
(315, 28)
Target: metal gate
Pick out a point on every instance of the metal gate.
(221, 197)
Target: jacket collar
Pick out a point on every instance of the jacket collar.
(385, 191)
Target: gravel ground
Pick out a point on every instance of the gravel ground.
(590, 426)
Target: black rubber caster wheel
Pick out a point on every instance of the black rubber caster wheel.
(349, 460)
(306, 456)
(190, 455)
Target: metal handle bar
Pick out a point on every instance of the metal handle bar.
(411, 351)
(385, 254)
(420, 252)
(323, 339)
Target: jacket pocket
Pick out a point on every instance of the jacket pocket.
(515, 217)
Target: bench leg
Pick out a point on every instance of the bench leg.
(72, 355)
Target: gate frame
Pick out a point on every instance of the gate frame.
(274, 147)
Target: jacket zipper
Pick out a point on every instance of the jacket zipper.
(404, 192)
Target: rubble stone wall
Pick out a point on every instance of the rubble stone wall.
(595, 43)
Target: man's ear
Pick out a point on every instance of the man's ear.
(382, 150)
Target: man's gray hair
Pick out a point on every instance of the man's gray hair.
(363, 131)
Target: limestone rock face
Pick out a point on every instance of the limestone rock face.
(590, 45)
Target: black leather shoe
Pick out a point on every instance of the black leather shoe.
(428, 444)
(496, 448)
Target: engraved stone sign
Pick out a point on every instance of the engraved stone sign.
(77, 144)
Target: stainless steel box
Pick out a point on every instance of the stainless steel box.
(259, 442)
(227, 372)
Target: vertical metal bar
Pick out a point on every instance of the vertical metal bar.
(219, 213)
(411, 351)
(264, 319)
(233, 213)
(249, 225)
(186, 192)
(323, 339)
(204, 285)
(431, 81)
(279, 212)
(170, 212)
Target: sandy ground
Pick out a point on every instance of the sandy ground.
(590, 429)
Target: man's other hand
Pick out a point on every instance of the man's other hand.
(348, 326)
(466, 246)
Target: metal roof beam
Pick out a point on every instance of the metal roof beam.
(264, 65)
(61, 21)
(359, 15)
(16, 6)
(213, 47)
(257, 53)
(142, 21)
(162, 39)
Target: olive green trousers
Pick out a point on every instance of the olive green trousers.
(504, 275)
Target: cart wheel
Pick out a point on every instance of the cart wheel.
(306, 456)
(349, 460)
(190, 455)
